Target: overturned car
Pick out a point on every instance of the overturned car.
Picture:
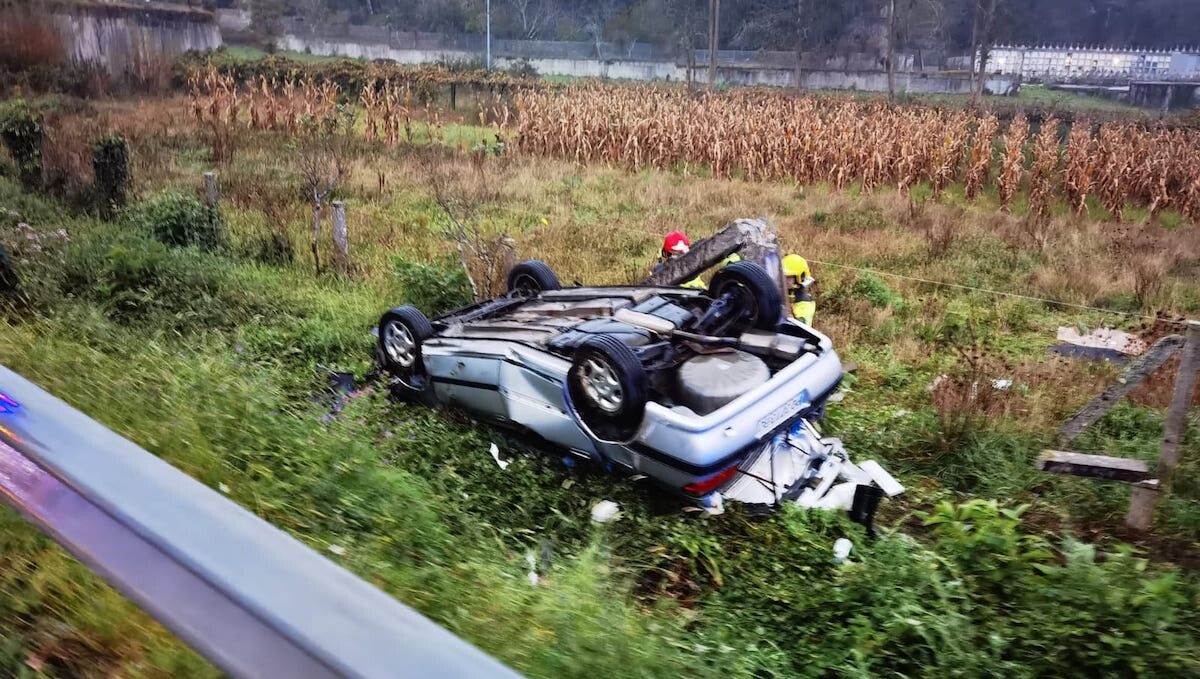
(712, 394)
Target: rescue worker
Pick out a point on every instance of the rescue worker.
(797, 278)
(677, 244)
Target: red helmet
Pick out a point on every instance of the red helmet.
(675, 243)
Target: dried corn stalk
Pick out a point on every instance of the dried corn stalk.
(1012, 163)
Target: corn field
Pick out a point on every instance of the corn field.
(390, 108)
(772, 136)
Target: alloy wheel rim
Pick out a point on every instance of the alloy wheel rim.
(399, 343)
(601, 385)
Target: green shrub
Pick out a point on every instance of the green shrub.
(985, 539)
(21, 132)
(138, 280)
(1078, 615)
(872, 288)
(180, 220)
(110, 163)
(434, 287)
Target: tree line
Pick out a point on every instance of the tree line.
(944, 25)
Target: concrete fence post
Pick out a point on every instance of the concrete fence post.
(341, 239)
(1145, 499)
(212, 192)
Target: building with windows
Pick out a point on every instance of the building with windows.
(1093, 63)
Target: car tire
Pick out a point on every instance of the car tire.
(756, 290)
(531, 277)
(402, 331)
(607, 389)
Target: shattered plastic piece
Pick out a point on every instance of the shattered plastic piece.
(836, 397)
(337, 549)
(841, 549)
(899, 413)
(223, 488)
(1002, 384)
(495, 451)
(1099, 343)
(605, 511)
(713, 503)
(886, 482)
(532, 576)
(567, 483)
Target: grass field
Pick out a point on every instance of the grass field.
(984, 567)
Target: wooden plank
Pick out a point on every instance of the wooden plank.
(1093, 466)
(1134, 374)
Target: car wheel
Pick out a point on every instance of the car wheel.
(531, 277)
(607, 388)
(401, 333)
(753, 290)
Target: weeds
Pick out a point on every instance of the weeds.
(435, 288)
(179, 220)
(939, 230)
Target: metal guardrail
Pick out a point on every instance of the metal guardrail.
(251, 599)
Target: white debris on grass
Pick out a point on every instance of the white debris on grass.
(605, 511)
(1105, 339)
(714, 504)
(338, 549)
(495, 451)
(1002, 384)
(223, 488)
(532, 576)
(841, 549)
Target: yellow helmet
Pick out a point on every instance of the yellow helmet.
(795, 265)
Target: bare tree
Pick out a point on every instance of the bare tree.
(891, 50)
(983, 27)
(800, 32)
(463, 192)
(687, 19)
(324, 167)
(534, 14)
(598, 14)
(714, 39)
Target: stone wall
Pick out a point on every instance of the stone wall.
(128, 39)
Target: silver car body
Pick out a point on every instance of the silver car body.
(501, 369)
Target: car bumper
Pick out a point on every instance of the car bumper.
(802, 467)
(703, 444)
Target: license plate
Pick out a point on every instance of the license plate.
(781, 414)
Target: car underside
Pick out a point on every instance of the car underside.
(711, 394)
